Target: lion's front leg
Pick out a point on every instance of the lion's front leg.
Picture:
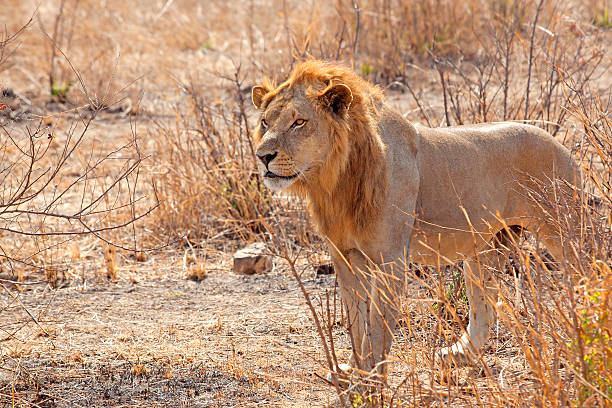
(385, 295)
(370, 316)
(371, 295)
(354, 289)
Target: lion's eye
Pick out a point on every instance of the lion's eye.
(298, 123)
(264, 124)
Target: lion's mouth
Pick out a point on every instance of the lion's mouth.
(269, 174)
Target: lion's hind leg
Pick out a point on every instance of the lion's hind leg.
(559, 246)
(481, 290)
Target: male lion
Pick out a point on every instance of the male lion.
(386, 192)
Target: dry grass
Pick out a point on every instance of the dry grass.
(166, 85)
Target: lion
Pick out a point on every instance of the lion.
(385, 192)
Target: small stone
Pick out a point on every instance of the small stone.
(8, 93)
(324, 269)
(252, 259)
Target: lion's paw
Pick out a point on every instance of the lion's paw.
(342, 373)
(457, 355)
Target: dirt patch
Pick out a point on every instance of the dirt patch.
(228, 340)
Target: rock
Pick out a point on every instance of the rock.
(324, 269)
(8, 93)
(14, 107)
(252, 259)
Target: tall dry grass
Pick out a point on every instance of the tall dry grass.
(551, 345)
(544, 63)
(207, 179)
(526, 61)
(455, 62)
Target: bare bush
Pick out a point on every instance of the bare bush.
(207, 181)
(56, 186)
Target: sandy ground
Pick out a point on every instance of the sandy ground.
(228, 340)
(155, 338)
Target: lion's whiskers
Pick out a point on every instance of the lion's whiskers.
(300, 174)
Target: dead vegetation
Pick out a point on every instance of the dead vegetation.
(126, 126)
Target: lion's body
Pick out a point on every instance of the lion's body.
(380, 188)
(486, 172)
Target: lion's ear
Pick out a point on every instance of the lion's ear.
(257, 95)
(337, 98)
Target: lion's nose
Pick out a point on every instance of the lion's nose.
(267, 158)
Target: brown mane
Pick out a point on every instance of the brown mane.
(350, 192)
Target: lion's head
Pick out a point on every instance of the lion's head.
(317, 136)
(297, 133)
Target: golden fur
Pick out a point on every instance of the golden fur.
(385, 192)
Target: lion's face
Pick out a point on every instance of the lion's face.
(292, 140)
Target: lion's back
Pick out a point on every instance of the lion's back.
(499, 148)
(485, 169)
